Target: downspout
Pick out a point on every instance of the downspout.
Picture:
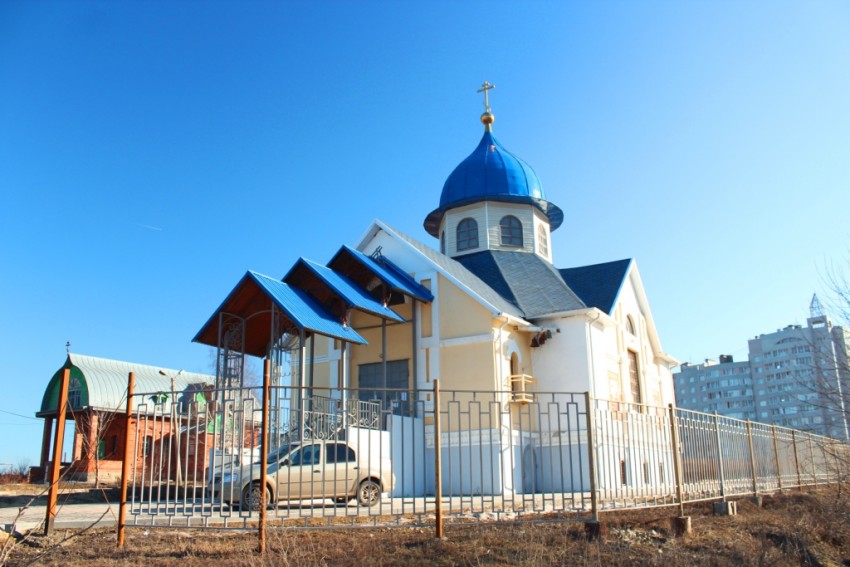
(501, 358)
(592, 360)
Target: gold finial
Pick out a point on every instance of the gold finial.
(487, 118)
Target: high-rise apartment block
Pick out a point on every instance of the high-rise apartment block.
(796, 377)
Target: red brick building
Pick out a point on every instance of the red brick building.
(167, 401)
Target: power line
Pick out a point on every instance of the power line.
(18, 414)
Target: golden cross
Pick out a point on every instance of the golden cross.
(486, 86)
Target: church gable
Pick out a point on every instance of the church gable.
(631, 310)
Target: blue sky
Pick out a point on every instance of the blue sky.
(152, 152)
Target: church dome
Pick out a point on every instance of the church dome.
(492, 173)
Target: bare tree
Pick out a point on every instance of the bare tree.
(98, 422)
(22, 467)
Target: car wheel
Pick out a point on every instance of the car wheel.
(254, 497)
(369, 493)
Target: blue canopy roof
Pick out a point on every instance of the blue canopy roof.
(391, 275)
(353, 295)
(251, 301)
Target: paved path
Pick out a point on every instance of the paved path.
(68, 516)
(199, 512)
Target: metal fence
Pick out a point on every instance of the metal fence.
(420, 457)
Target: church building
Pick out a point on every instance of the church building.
(484, 310)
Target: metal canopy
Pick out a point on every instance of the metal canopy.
(364, 270)
(252, 301)
(102, 383)
(333, 290)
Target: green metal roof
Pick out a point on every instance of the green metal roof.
(102, 384)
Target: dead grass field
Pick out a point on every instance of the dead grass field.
(809, 528)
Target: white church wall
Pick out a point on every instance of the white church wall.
(563, 363)
(480, 462)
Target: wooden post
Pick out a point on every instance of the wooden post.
(129, 454)
(61, 406)
(776, 458)
(264, 452)
(752, 458)
(438, 462)
(677, 460)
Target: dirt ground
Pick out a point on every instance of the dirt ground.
(809, 528)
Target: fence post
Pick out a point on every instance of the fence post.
(125, 464)
(591, 457)
(776, 458)
(677, 461)
(62, 403)
(438, 463)
(752, 458)
(719, 456)
(812, 461)
(833, 448)
(264, 453)
(796, 459)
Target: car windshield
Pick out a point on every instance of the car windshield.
(278, 454)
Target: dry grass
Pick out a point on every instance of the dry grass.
(791, 529)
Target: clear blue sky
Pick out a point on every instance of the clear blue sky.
(152, 152)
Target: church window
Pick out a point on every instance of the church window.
(511, 230)
(443, 242)
(467, 234)
(543, 241)
(630, 325)
(75, 393)
(634, 377)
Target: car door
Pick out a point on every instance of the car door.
(340, 472)
(297, 473)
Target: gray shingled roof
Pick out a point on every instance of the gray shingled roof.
(599, 284)
(526, 280)
(524, 285)
(463, 275)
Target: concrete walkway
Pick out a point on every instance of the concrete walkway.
(68, 516)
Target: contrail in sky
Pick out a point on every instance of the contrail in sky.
(147, 226)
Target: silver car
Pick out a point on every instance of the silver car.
(314, 470)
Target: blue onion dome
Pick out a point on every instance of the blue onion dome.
(492, 173)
